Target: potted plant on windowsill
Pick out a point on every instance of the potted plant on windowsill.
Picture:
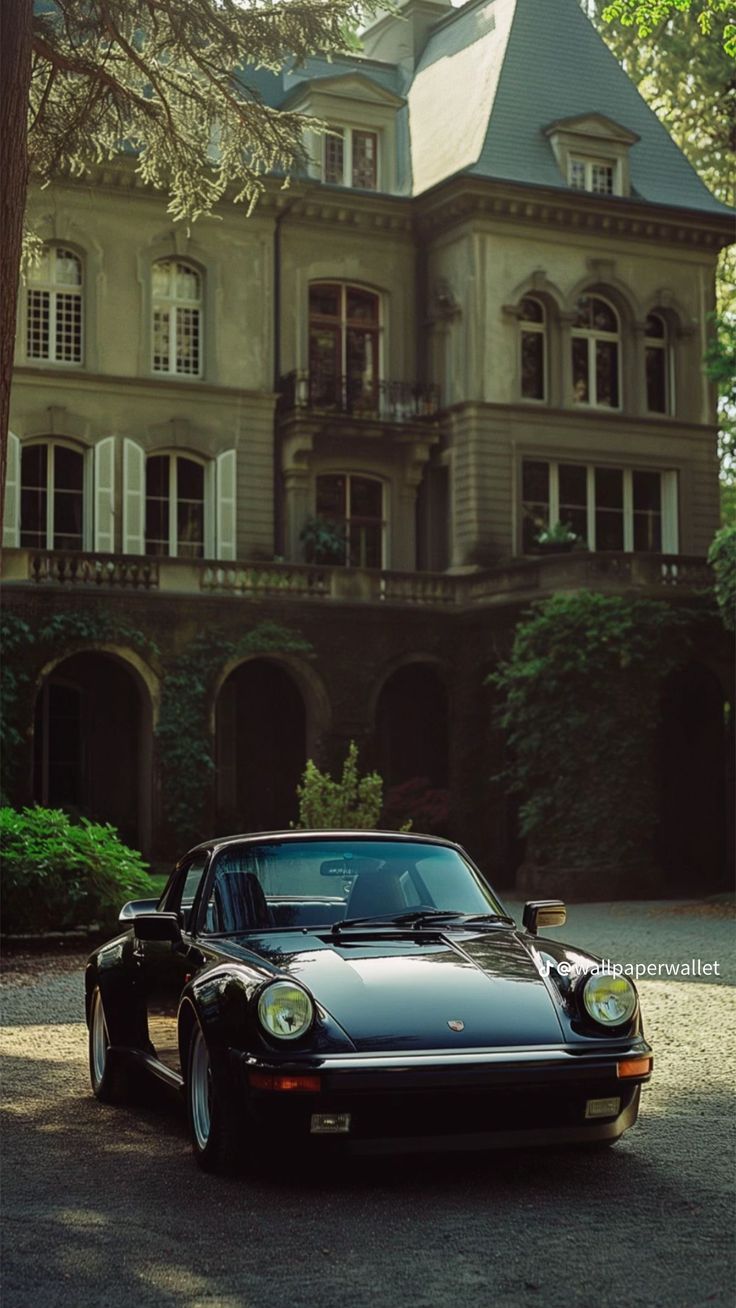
(324, 540)
(557, 539)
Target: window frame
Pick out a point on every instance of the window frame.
(346, 521)
(592, 335)
(589, 162)
(669, 491)
(663, 344)
(529, 327)
(171, 304)
(173, 502)
(53, 289)
(344, 324)
(347, 132)
(51, 444)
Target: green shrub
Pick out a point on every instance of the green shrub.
(722, 558)
(57, 875)
(353, 801)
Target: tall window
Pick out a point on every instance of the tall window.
(54, 307)
(51, 497)
(175, 499)
(533, 364)
(592, 175)
(351, 158)
(177, 318)
(607, 508)
(595, 353)
(355, 504)
(343, 348)
(656, 350)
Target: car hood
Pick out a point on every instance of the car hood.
(402, 994)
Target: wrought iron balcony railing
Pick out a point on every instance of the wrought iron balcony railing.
(384, 401)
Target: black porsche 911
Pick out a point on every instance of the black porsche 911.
(360, 990)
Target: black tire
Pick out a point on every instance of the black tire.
(216, 1125)
(108, 1078)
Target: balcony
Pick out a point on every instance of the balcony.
(352, 397)
(517, 582)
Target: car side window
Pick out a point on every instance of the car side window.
(189, 888)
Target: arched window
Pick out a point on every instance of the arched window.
(533, 349)
(175, 500)
(51, 497)
(344, 339)
(54, 307)
(355, 504)
(176, 327)
(656, 353)
(595, 353)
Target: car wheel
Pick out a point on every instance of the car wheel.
(106, 1076)
(216, 1130)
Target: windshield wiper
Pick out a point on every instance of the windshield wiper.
(420, 917)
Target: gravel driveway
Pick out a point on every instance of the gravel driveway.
(104, 1205)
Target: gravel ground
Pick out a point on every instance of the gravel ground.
(104, 1205)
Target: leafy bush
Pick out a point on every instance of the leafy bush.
(417, 805)
(580, 707)
(324, 540)
(57, 875)
(353, 801)
(722, 557)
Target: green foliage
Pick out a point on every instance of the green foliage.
(352, 801)
(720, 365)
(183, 728)
(56, 875)
(646, 15)
(722, 558)
(324, 540)
(580, 707)
(15, 636)
(167, 82)
(560, 533)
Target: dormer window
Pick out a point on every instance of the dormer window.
(592, 152)
(351, 158)
(592, 175)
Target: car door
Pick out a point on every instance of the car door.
(167, 967)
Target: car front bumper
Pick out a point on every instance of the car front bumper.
(425, 1101)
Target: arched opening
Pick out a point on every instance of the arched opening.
(412, 747)
(92, 744)
(696, 788)
(260, 732)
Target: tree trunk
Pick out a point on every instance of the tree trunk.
(15, 77)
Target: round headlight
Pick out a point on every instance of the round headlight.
(285, 1010)
(610, 1000)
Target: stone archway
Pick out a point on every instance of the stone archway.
(261, 747)
(92, 743)
(412, 726)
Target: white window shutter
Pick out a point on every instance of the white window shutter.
(11, 518)
(670, 533)
(134, 498)
(225, 505)
(104, 482)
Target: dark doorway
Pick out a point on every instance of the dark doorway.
(88, 744)
(412, 726)
(697, 795)
(261, 748)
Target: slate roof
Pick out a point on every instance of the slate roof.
(492, 76)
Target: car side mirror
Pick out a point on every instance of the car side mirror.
(543, 913)
(162, 927)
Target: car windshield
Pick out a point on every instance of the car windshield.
(323, 882)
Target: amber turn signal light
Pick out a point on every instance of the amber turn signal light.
(635, 1067)
(270, 1081)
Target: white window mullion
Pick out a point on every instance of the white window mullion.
(592, 376)
(52, 326)
(591, 506)
(628, 511)
(554, 494)
(173, 515)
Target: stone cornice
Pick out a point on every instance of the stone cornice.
(78, 379)
(541, 415)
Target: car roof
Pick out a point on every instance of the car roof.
(411, 837)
